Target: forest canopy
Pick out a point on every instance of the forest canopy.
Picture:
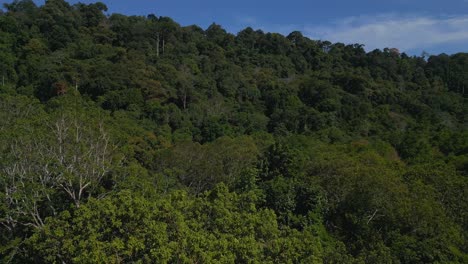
(133, 139)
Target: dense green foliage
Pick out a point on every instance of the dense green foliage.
(128, 139)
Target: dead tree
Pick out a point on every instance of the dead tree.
(70, 161)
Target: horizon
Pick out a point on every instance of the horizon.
(413, 28)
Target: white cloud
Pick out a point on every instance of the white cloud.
(405, 32)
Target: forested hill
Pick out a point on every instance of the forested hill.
(132, 139)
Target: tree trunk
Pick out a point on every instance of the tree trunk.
(157, 45)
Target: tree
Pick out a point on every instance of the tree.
(57, 22)
(185, 86)
(66, 160)
(200, 167)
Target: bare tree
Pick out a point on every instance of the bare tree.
(70, 161)
(82, 157)
(28, 187)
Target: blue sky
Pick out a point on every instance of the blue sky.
(413, 26)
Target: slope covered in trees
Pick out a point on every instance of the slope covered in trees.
(131, 139)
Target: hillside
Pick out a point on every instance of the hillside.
(132, 139)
